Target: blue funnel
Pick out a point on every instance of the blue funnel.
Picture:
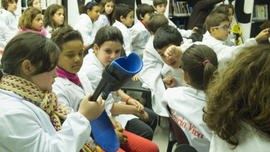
(113, 78)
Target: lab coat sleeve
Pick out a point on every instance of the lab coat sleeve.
(21, 132)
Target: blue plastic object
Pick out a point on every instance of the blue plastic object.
(113, 77)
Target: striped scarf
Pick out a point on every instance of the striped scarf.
(44, 99)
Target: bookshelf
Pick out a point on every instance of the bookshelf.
(179, 12)
(261, 12)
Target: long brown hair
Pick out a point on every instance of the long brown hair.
(241, 94)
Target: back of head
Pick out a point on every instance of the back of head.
(223, 8)
(108, 33)
(49, 13)
(156, 21)
(65, 34)
(121, 10)
(158, 2)
(241, 94)
(39, 50)
(200, 63)
(214, 19)
(166, 35)
(27, 17)
(142, 9)
(4, 3)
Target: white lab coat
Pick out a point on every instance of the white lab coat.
(140, 36)
(224, 53)
(187, 104)
(150, 76)
(184, 33)
(87, 29)
(25, 127)
(5, 35)
(167, 71)
(49, 31)
(69, 94)
(93, 70)
(102, 21)
(250, 139)
(126, 36)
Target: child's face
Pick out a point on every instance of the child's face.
(94, 13)
(59, 17)
(44, 80)
(12, 6)
(172, 56)
(36, 4)
(146, 17)
(109, 7)
(221, 31)
(128, 21)
(71, 57)
(37, 23)
(160, 8)
(108, 51)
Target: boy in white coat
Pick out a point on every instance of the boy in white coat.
(139, 31)
(218, 26)
(124, 18)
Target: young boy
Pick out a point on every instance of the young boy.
(150, 74)
(9, 20)
(217, 24)
(139, 32)
(124, 17)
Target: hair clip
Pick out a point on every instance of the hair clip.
(205, 61)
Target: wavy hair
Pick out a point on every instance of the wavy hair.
(241, 94)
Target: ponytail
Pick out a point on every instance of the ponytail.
(208, 72)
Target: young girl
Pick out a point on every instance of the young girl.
(31, 20)
(34, 3)
(54, 17)
(237, 109)
(32, 120)
(124, 17)
(71, 89)
(199, 62)
(107, 47)
(85, 25)
(107, 11)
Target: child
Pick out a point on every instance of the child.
(150, 73)
(217, 24)
(5, 36)
(139, 32)
(9, 18)
(237, 109)
(124, 17)
(86, 21)
(31, 20)
(107, 11)
(198, 63)
(34, 3)
(107, 47)
(54, 17)
(71, 89)
(31, 118)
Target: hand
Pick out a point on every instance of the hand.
(174, 53)
(91, 110)
(170, 82)
(263, 35)
(194, 29)
(136, 103)
(135, 77)
(143, 116)
(121, 136)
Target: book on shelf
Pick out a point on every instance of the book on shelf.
(180, 8)
(260, 12)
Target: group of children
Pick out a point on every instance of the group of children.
(216, 92)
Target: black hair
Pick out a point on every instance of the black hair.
(156, 21)
(39, 50)
(88, 6)
(4, 3)
(166, 35)
(200, 63)
(121, 10)
(142, 9)
(65, 34)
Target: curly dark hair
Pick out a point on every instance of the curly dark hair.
(240, 95)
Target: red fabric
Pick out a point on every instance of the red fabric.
(137, 144)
